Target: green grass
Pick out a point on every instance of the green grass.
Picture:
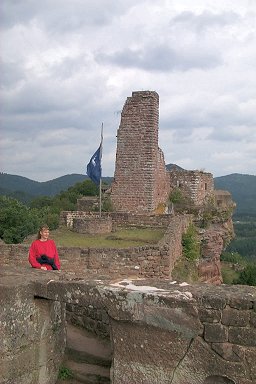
(120, 239)
(185, 270)
(229, 275)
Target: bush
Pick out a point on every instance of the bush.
(17, 220)
(248, 275)
(176, 196)
(232, 257)
(190, 243)
(65, 373)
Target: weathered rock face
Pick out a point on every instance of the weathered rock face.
(213, 241)
(141, 181)
(32, 333)
(160, 333)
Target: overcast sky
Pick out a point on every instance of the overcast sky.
(69, 65)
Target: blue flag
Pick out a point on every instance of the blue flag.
(94, 167)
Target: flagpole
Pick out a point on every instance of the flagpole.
(101, 145)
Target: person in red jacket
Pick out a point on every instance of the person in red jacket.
(43, 253)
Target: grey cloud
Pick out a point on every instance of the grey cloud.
(62, 15)
(206, 19)
(33, 99)
(221, 126)
(162, 58)
(11, 74)
(69, 67)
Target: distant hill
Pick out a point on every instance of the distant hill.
(171, 167)
(243, 190)
(25, 189)
(242, 187)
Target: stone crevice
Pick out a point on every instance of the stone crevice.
(181, 360)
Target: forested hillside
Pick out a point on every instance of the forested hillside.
(24, 189)
(243, 190)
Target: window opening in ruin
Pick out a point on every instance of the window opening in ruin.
(215, 379)
(205, 186)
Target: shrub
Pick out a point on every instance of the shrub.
(176, 196)
(65, 373)
(190, 243)
(232, 257)
(248, 275)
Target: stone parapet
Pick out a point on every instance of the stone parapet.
(159, 332)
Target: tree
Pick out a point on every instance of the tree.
(17, 220)
(248, 275)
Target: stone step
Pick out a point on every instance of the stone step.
(68, 381)
(83, 346)
(89, 373)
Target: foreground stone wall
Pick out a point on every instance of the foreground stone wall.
(182, 341)
(32, 333)
(141, 182)
(159, 332)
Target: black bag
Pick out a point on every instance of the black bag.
(44, 259)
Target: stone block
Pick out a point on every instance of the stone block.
(215, 333)
(242, 336)
(229, 352)
(253, 319)
(250, 356)
(214, 300)
(235, 317)
(208, 315)
(241, 302)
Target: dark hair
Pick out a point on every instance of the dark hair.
(44, 226)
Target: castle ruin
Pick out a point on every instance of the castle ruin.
(141, 182)
(156, 330)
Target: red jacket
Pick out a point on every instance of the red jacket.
(39, 248)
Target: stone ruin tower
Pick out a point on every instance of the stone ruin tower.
(141, 182)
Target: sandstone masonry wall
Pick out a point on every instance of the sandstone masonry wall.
(140, 181)
(119, 219)
(93, 226)
(196, 185)
(144, 261)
